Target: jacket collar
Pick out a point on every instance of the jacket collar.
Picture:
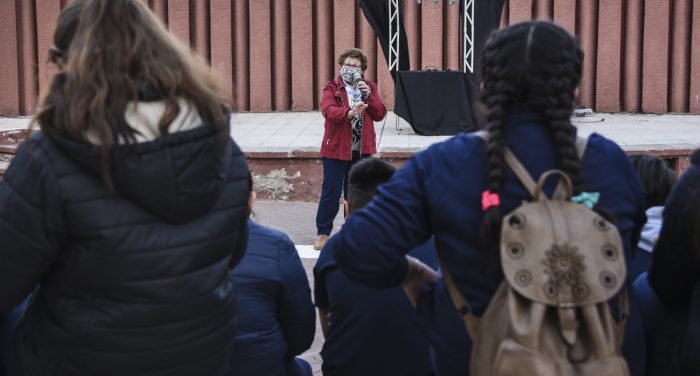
(339, 81)
(340, 91)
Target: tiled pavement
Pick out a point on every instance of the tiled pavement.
(303, 131)
(289, 131)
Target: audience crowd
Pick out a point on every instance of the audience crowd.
(129, 245)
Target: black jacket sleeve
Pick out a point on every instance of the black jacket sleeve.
(30, 223)
(240, 173)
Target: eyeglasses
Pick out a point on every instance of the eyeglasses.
(352, 66)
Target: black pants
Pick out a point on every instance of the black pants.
(335, 182)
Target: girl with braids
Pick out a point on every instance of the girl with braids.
(459, 190)
(127, 210)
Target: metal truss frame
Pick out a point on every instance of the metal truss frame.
(394, 26)
(468, 40)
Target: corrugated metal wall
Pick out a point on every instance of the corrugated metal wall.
(275, 55)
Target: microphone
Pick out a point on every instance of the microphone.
(358, 78)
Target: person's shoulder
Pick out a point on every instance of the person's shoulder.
(331, 85)
(37, 143)
(459, 146)
(271, 235)
(458, 143)
(601, 150)
(36, 150)
(601, 144)
(372, 83)
(256, 228)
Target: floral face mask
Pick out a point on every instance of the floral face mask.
(350, 74)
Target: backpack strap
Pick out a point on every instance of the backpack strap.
(514, 164)
(519, 170)
(624, 307)
(461, 305)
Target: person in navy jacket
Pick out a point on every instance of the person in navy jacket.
(350, 106)
(530, 74)
(368, 332)
(276, 318)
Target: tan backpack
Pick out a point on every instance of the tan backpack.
(550, 316)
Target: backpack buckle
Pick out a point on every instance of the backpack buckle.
(465, 310)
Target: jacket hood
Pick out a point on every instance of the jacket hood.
(177, 177)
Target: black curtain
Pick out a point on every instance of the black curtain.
(487, 18)
(377, 14)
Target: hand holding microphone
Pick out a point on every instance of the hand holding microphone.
(362, 85)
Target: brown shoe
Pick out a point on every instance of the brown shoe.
(320, 242)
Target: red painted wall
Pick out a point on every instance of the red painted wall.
(275, 55)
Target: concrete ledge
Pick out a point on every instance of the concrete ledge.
(310, 153)
(283, 148)
(8, 149)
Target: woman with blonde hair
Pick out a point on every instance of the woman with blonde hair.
(127, 210)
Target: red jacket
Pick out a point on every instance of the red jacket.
(337, 137)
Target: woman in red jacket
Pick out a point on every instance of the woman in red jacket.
(350, 106)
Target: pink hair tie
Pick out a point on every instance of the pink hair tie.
(489, 199)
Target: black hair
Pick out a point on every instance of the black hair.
(696, 236)
(695, 164)
(535, 67)
(656, 177)
(364, 178)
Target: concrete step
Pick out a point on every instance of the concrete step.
(8, 148)
(12, 136)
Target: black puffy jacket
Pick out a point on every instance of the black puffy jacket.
(131, 280)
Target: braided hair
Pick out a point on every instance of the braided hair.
(536, 67)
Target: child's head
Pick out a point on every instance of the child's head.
(656, 177)
(363, 180)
